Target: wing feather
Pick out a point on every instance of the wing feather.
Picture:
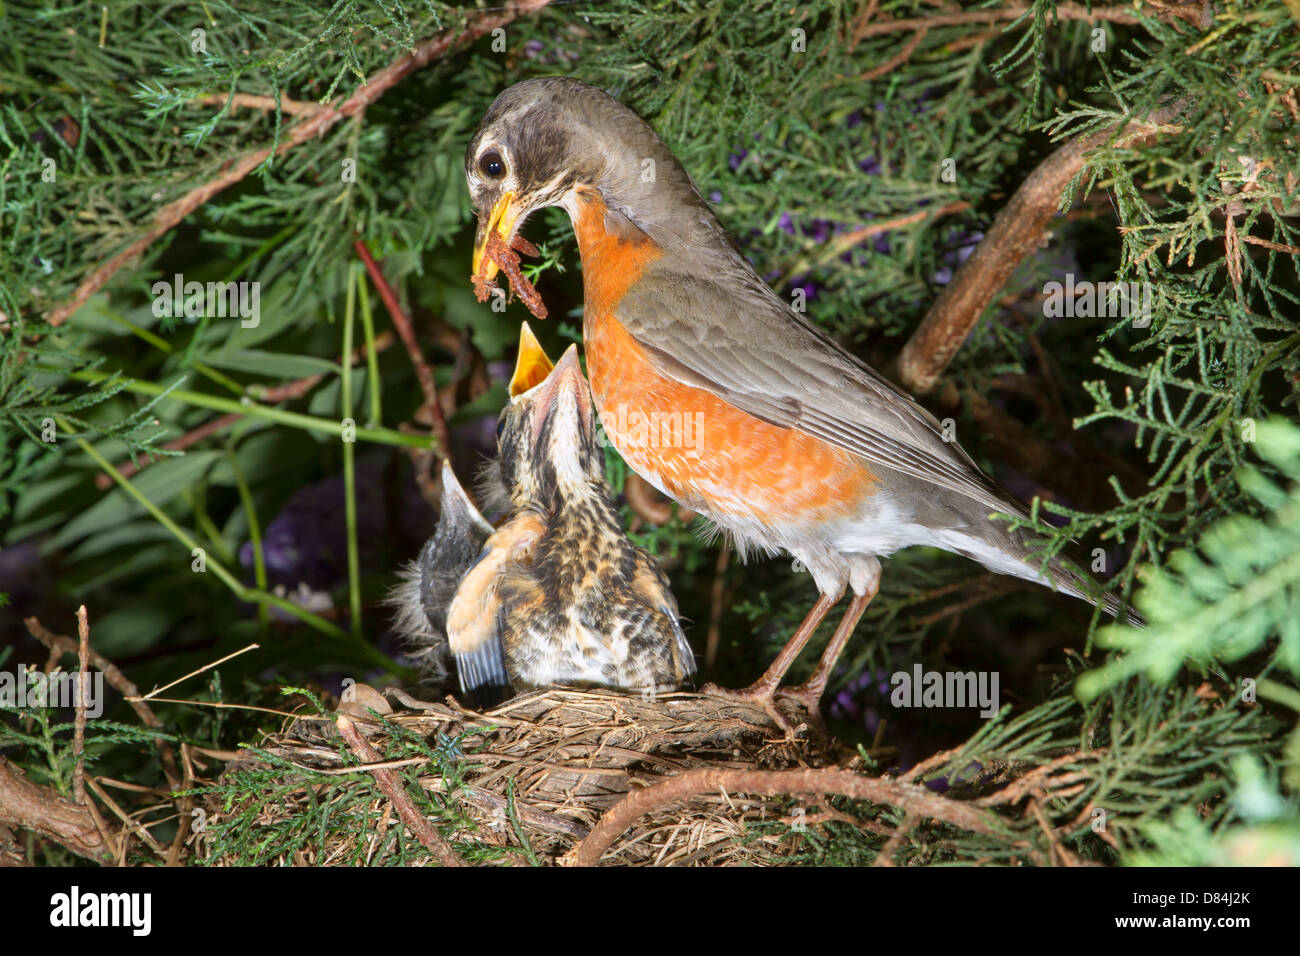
(755, 352)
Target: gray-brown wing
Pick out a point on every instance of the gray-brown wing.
(747, 347)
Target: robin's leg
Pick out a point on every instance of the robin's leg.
(864, 576)
(763, 691)
(809, 693)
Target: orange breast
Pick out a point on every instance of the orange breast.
(700, 449)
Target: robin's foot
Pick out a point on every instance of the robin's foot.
(761, 695)
(809, 697)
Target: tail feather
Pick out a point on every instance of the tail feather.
(1018, 553)
(482, 673)
(1068, 577)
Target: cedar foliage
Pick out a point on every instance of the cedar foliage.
(1172, 449)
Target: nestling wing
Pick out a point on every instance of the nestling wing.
(476, 617)
(651, 583)
(730, 335)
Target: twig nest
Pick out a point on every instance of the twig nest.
(539, 771)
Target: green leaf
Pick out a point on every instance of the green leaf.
(161, 482)
(271, 364)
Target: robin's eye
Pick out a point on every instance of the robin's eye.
(491, 164)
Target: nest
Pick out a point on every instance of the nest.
(541, 770)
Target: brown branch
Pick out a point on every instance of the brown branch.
(185, 808)
(1190, 13)
(11, 853)
(310, 128)
(104, 481)
(1275, 246)
(975, 39)
(424, 832)
(118, 681)
(27, 806)
(1037, 782)
(886, 855)
(266, 103)
(406, 332)
(920, 770)
(83, 690)
(527, 814)
(1017, 231)
(898, 59)
(717, 604)
(423, 460)
(130, 824)
(916, 800)
(860, 21)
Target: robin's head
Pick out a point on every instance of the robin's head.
(544, 140)
(547, 444)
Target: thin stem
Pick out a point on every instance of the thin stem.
(349, 459)
(382, 436)
(255, 536)
(162, 345)
(372, 356)
(204, 522)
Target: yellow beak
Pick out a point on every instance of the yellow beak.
(504, 216)
(532, 367)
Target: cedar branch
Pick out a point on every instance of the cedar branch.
(120, 682)
(1017, 231)
(433, 840)
(909, 797)
(313, 127)
(28, 806)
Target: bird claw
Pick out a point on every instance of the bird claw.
(810, 699)
(757, 695)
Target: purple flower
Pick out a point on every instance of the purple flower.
(855, 703)
(306, 543)
(965, 244)
(810, 288)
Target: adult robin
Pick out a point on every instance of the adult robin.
(556, 594)
(794, 444)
